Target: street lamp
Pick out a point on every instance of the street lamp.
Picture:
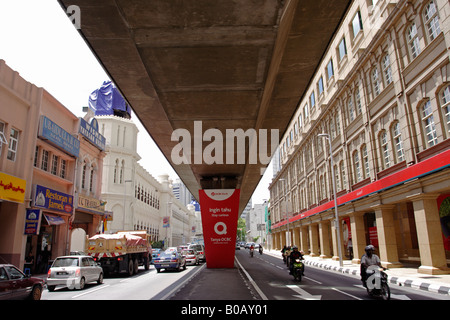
(287, 216)
(338, 228)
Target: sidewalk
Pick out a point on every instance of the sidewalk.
(407, 277)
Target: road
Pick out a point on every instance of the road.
(145, 285)
(272, 277)
(268, 272)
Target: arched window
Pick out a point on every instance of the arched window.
(387, 73)
(445, 106)
(431, 19)
(376, 85)
(351, 109)
(428, 126)
(357, 167)
(384, 150)
(116, 171)
(413, 40)
(398, 143)
(365, 157)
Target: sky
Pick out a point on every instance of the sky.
(39, 41)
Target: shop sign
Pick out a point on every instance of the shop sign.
(32, 221)
(12, 188)
(166, 222)
(220, 211)
(91, 204)
(47, 198)
(90, 132)
(59, 137)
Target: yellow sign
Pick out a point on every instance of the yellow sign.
(12, 188)
(91, 204)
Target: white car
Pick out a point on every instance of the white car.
(73, 272)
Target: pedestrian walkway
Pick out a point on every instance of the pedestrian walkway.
(405, 276)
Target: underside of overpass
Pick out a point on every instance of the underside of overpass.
(231, 64)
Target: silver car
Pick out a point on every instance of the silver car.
(200, 251)
(73, 272)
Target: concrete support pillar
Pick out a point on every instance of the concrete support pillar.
(296, 236)
(387, 241)
(304, 239)
(358, 236)
(334, 236)
(429, 234)
(324, 234)
(314, 239)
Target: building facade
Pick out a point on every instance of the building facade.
(47, 159)
(135, 200)
(380, 101)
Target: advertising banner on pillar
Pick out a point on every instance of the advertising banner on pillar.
(220, 210)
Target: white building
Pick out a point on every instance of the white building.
(255, 223)
(134, 198)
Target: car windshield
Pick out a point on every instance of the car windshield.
(66, 262)
(188, 252)
(167, 255)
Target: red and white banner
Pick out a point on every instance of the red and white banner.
(220, 211)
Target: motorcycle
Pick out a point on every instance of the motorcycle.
(377, 283)
(251, 252)
(297, 270)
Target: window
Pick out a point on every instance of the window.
(428, 124)
(83, 176)
(384, 148)
(351, 109)
(413, 41)
(387, 73)
(357, 24)
(365, 157)
(63, 169)
(36, 155)
(13, 144)
(338, 178)
(358, 100)
(122, 172)
(116, 171)
(300, 120)
(320, 88)
(54, 168)
(398, 144)
(312, 100)
(330, 70)
(338, 124)
(306, 112)
(357, 167)
(445, 105)
(432, 20)
(342, 49)
(91, 180)
(343, 176)
(44, 160)
(2, 136)
(332, 129)
(376, 82)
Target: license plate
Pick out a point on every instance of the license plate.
(62, 273)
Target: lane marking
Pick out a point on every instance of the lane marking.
(348, 294)
(261, 294)
(90, 291)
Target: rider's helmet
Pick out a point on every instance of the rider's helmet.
(369, 248)
(294, 247)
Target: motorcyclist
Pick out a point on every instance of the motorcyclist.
(367, 260)
(260, 248)
(295, 254)
(252, 247)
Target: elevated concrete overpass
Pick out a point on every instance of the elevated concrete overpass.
(232, 64)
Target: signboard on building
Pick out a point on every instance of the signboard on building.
(220, 211)
(91, 204)
(12, 188)
(91, 133)
(47, 198)
(48, 130)
(32, 221)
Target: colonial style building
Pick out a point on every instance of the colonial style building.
(380, 99)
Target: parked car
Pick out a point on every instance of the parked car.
(155, 254)
(191, 256)
(73, 272)
(170, 260)
(15, 285)
(182, 247)
(200, 251)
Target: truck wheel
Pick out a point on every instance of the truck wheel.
(136, 266)
(130, 268)
(146, 264)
